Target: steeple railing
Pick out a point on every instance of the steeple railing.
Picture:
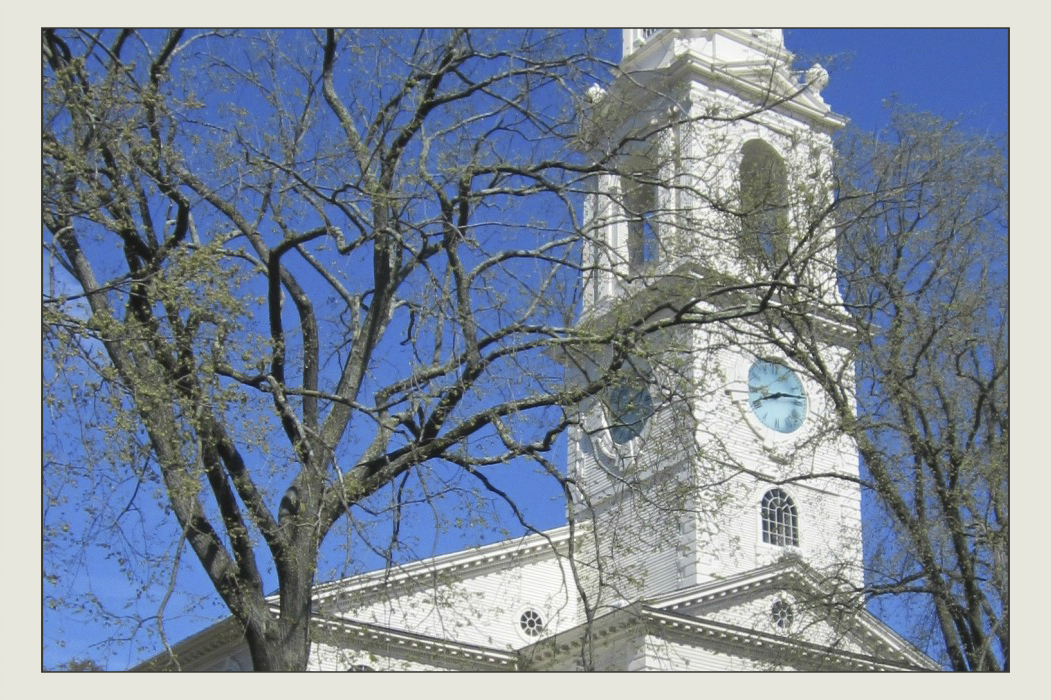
(634, 38)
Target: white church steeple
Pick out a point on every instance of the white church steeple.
(698, 463)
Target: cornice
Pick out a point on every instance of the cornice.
(385, 640)
(700, 630)
(613, 625)
(693, 293)
(767, 78)
(221, 636)
(794, 99)
(793, 574)
(637, 619)
(708, 591)
(475, 561)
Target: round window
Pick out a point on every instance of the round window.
(781, 612)
(531, 623)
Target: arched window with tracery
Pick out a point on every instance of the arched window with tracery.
(764, 201)
(778, 515)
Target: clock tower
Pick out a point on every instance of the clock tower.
(711, 453)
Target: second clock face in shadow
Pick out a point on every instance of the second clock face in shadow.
(628, 408)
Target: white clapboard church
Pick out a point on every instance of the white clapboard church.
(692, 547)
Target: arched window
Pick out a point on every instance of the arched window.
(778, 514)
(764, 201)
(640, 204)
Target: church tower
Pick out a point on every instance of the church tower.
(712, 453)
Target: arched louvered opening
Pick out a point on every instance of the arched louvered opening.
(764, 202)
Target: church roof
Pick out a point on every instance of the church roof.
(706, 616)
(792, 575)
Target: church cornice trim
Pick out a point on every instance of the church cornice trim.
(639, 618)
(774, 646)
(765, 80)
(384, 640)
(518, 551)
(792, 574)
(692, 294)
(216, 640)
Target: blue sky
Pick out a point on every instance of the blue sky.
(953, 73)
(957, 73)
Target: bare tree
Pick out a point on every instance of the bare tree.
(302, 282)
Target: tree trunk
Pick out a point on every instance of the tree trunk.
(285, 646)
(283, 652)
(282, 642)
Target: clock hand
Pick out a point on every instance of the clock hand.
(782, 395)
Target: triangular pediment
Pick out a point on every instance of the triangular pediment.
(788, 601)
(498, 596)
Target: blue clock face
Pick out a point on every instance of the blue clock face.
(776, 396)
(629, 408)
